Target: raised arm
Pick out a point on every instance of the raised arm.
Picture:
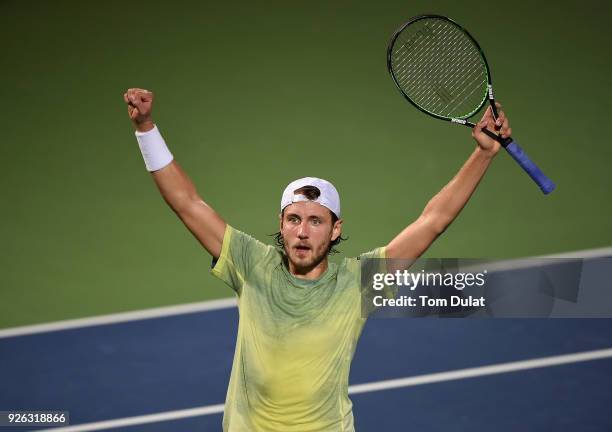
(173, 183)
(446, 205)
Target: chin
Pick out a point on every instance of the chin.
(301, 262)
(307, 262)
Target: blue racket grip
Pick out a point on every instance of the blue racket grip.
(530, 168)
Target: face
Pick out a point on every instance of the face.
(307, 231)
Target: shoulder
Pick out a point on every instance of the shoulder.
(364, 260)
(376, 253)
(242, 252)
(241, 241)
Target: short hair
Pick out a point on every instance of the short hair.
(312, 193)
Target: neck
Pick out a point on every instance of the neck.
(308, 273)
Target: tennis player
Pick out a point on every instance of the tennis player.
(300, 315)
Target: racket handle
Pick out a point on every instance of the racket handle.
(530, 168)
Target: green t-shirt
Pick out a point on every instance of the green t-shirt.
(296, 340)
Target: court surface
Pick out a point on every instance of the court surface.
(167, 370)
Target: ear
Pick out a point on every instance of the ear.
(280, 221)
(337, 230)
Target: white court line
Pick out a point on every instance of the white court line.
(524, 263)
(215, 304)
(587, 253)
(360, 388)
(482, 371)
(120, 317)
(132, 421)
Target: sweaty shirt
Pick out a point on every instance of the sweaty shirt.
(296, 339)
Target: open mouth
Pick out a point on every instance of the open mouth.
(302, 248)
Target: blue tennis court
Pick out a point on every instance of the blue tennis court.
(170, 373)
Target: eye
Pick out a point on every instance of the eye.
(293, 219)
(316, 221)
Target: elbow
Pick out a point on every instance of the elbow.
(435, 222)
(183, 204)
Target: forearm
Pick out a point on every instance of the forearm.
(444, 207)
(173, 183)
(180, 194)
(175, 187)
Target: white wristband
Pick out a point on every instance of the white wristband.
(154, 150)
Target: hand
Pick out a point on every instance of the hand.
(140, 104)
(501, 126)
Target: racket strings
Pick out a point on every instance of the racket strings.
(474, 78)
(405, 49)
(439, 68)
(453, 75)
(442, 95)
(420, 61)
(436, 54)
(418, 66)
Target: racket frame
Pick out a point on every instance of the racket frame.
(488, 96)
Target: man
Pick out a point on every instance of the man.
(300, 315)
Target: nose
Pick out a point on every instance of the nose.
(302, 231)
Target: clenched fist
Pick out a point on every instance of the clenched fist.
(140, 104)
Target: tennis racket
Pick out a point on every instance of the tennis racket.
(440, 68)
